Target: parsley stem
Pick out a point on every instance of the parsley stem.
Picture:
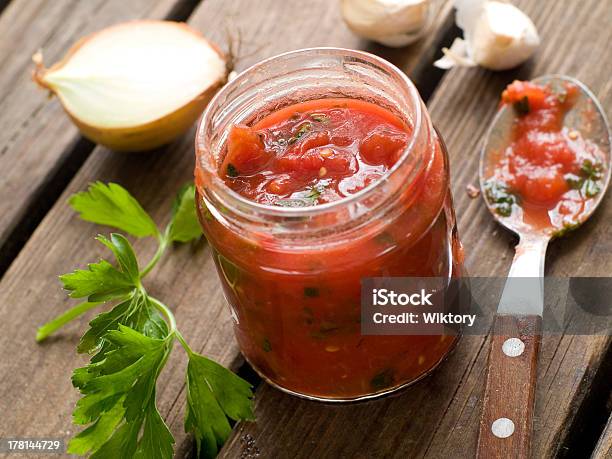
(184, 343)
(61, 320)
(161, 248)
(161, 307)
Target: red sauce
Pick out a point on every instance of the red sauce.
(548, 174)
(298, 312)
(314, 152)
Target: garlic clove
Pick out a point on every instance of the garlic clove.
(137, 85)
(392, 23)
(497, 36)
(457, 54)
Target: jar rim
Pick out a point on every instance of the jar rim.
(310, 211)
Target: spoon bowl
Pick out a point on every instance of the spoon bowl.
(587, 116)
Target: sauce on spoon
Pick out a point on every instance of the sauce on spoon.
(548, 175)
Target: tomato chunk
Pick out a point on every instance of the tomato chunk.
(246, 153)
(518, 90)
(382, 147)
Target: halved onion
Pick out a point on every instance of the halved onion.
(137, 85)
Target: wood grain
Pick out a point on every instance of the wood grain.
(439, 417)
(34, 378)
(603, 449)
(510, 388)
(37, 141)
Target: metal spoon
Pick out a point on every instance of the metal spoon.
(506, 423)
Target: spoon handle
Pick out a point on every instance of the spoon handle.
(508, 403)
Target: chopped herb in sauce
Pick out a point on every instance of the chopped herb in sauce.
(232, 171)
(587, 180)
(320, 117)
(384, 238)
(304, 128)
(383, 380)
(267, 347)
(562, 96)
(500, 198)
(592, 174)
(567, 227)
(325, 330)
(230, 271)
(521, 106)
(309, 316)
(310, 198)
(311, 292)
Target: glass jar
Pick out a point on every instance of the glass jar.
(291, 275)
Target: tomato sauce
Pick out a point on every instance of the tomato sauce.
(297, 312)
(314, 152)
(548, 174)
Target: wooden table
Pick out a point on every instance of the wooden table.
(43, 160)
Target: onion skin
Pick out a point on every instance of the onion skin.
(141, 137)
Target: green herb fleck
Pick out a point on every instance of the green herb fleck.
(311, 292)
(304, 128)
(319, 117)
(567, 227)
(232, 171)
(325, 330)
(591, 189)
(309, 197)
(592, 174)
(309, 316)
(562, 97)
(588, 179)
(267, 347)
(574, 181)
(500, 198)
(521, 107)
(384, 238)
(383, 380)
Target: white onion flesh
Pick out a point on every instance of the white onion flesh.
(134, 73)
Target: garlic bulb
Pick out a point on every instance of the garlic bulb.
(389, 22)
(497, 36)
(137, 85)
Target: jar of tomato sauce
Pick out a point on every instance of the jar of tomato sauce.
(315, 169)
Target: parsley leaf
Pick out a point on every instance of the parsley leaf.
(102, 281)
(112, 205)
(119, 397)
(124, 253)
(136, 313)
(99, 282)
(184, 226)
(214, 394)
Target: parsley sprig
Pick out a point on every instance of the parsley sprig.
(131, 341)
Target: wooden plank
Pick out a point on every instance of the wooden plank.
(603, 449)
(34, 378)
(37, 141)
(439, 417)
